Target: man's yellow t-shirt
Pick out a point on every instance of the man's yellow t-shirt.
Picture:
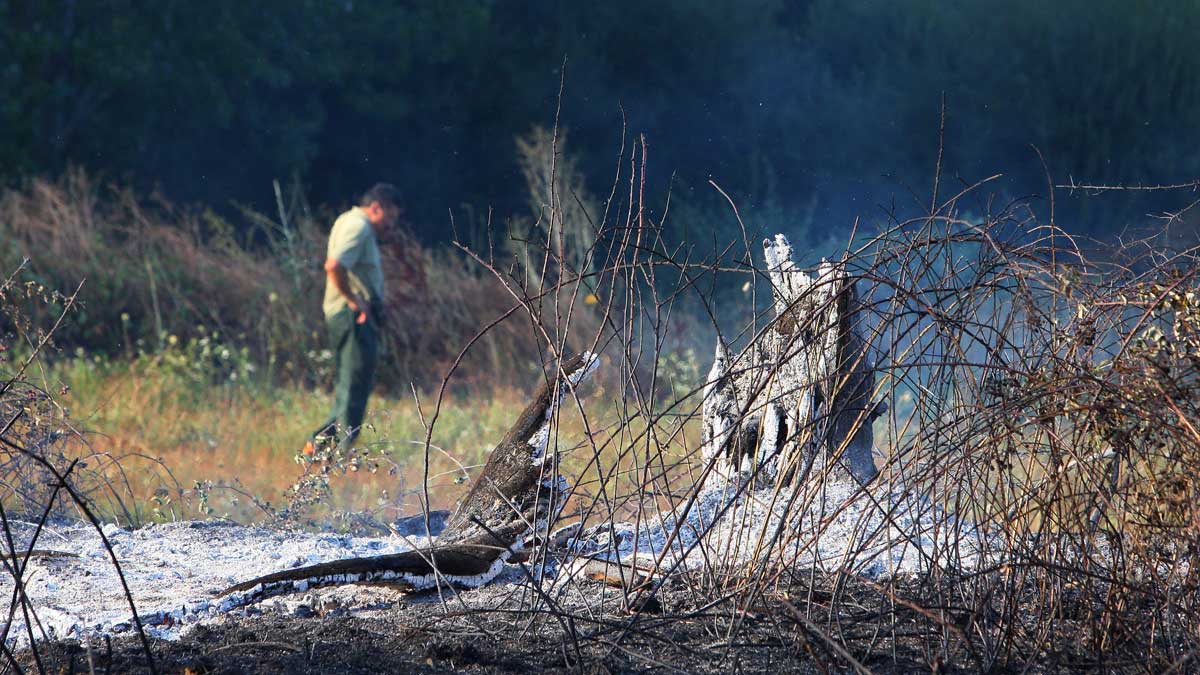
(352, 243)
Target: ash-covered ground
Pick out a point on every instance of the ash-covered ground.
(175, 573)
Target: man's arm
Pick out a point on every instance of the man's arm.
(336, 273)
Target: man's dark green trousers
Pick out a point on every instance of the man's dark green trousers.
(355, 352)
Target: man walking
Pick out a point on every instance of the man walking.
(353, 309)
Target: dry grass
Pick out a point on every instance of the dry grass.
(184, 450)
(155, 270)
(241, 444)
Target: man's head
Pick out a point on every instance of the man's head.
(382, 205)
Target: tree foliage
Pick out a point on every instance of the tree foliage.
(819, 107)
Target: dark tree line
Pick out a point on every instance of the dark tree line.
(810, 112)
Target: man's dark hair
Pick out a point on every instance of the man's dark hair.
(384, 193)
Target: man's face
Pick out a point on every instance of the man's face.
(383, 216)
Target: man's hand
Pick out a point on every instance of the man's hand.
(337, 277)
(361, 311)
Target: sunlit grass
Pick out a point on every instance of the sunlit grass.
(193, 447)
(244, 438)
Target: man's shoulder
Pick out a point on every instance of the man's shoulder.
(351, 227)
(353, 219)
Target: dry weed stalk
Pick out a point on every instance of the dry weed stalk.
(33, 430)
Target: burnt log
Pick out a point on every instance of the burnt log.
(512, 504)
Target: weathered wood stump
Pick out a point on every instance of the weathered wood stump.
(797, 401)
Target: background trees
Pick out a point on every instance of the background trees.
(812, 111)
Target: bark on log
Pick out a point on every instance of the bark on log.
(512, 504)
(797, 400)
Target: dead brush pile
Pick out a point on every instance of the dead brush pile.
(1039, 464)
(1038, 456)
(1049, 396)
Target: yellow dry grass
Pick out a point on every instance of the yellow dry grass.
(180, 449)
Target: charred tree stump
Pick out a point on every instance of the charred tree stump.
(511, 505)
(798, 399)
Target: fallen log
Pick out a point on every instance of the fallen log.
(514, 501)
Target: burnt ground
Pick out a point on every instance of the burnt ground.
(681, 631)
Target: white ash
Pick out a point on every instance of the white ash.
(174, 572)
(878, 531)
